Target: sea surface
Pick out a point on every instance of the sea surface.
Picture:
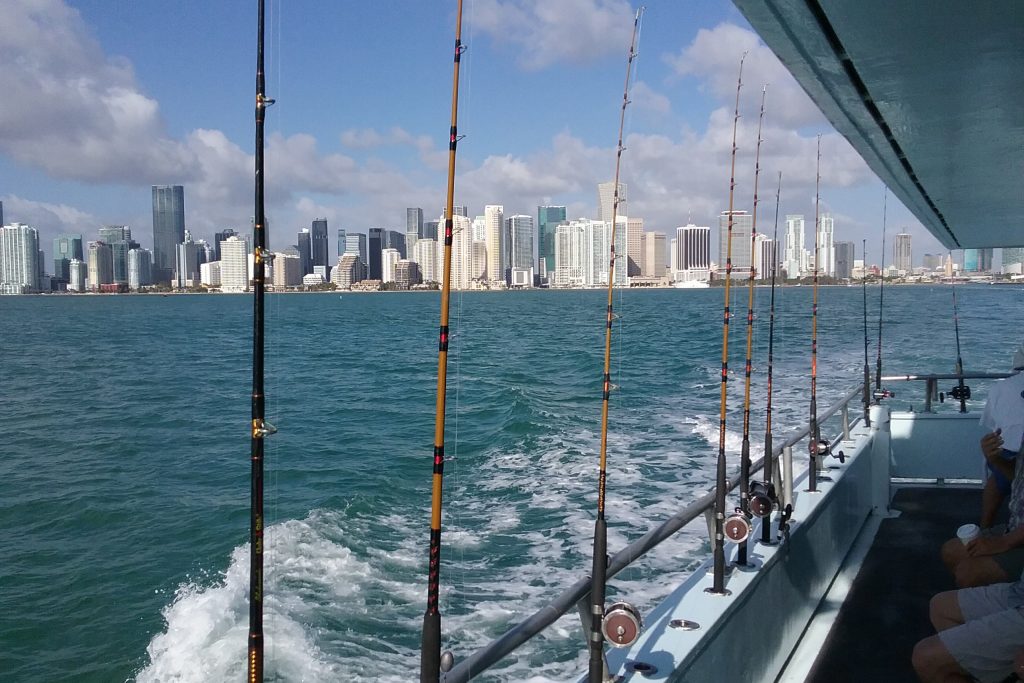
(124, 463)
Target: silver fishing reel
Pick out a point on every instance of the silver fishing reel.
(737, 527)
(762, 498)
(622, 624)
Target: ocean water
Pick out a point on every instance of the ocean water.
(124, 463)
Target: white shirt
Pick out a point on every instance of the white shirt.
(1005, 410)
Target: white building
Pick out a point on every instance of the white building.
(78, 275)
(140, 268)
(19, 259)
(493, 225)
(288, 269)
(652, 262)
(479, 229)
(462, 254)
(209, 274)
(425, 254)
(793, 256)
(765, 256)
(692, 254)
(826, 245)
(570, 253)
(389, 258)
(100, 260)
(605, 199)
(583, 254)
(234, 265)
(742, 229)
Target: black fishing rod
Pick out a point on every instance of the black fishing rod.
(260, 427)
(881, 299)
(961, 391)
(718, 585)
(599, 574)
(815, 434)
(867, 369)
(430, 649)
(766, 527)
(745, 509)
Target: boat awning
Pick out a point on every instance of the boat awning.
(930, 93)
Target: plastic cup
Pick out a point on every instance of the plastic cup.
(968, 532)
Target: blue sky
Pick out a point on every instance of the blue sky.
(105, 97)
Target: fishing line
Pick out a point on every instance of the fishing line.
(431, 661)
(718, 586)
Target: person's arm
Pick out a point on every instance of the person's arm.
(992, 449)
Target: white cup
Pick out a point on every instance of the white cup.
(968, 532)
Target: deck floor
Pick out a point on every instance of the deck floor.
(886, 612)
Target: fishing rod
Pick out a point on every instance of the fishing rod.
(961, 391)
(718, 584)
(742, 518)
(431, 660)
(599, 575)
(867, 369)
(815, 435)
(766, 527)
(881, 299)
(260, 427)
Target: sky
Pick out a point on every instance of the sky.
(104, 98)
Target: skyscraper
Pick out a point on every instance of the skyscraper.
(653, 250)
(19, 259)
(219, 237)
(826, 248)
(413, 227)
(430, 229)
(793, 256)
(304, 245)
(140, 268)
(845, 254)
(742, 227)
(548, 218)
(971, 261)
(234, 266)
(519, 257)
(119, 237)
(693, 253)
(342, 241)
(186, 264)
(168, 228)
(1013, 259)
(101, 265)
(66, 248)
(901, 253)
(355, 243)
(493, 219)
(393, 239)
(318, 245)
(633, 248)
(375, 242)
(605, 199)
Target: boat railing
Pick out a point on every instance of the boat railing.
(931, 383)
(577, 594)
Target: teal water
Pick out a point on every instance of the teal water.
(124, 463)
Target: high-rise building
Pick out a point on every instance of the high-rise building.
(66, 248)
(985, 260)
(606, 198)
(355, 243)
(168, 228)
(425, 254)
(901, 253)
(287, 270)
(571, 248)
(462, 254)
(633, 246)
(600, 243)
(462, 210)
(209, 274)
(101, 265)
(548, 218)
(389, 258)
(186, 268)
(430, 229)
(932, 261)
(1013, 260)
(304, 245)
(375, 242)
(971, 261)
(318, 244)
(413, 227)
(652, 263)
(742, 229)
(845, 252)
(119, 237)
(793, 254)
(342, 240)
(494, 215)
(350, 270)
(78, 278)
(519, 263)
(234, 266)
(826, 248)
(693, 253)
(766, 256)
(19, 259)
(407, 274)
(219, 237)
(140, 268)
(394, 239)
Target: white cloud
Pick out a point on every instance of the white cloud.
(546, 33)
(643, 96)
(49, 219)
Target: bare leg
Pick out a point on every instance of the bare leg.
(934, 664)
(979, 571)
(953, 553)
(944, 611)
(991, 498)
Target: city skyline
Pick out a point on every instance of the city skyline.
(191, 125)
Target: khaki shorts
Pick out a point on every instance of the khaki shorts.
(986, 643)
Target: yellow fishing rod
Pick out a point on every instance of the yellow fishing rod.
(430, 649)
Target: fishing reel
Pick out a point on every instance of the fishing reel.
(737, 526)
(958, 393)
(621, 625)
(762, 498)
(821, 448)
(879, 394)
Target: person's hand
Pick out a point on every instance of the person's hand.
(992, 445)
(987, 545)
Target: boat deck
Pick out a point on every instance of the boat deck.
(886, 611)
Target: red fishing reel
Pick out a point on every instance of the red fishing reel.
(622, 624)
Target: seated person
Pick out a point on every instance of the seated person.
(998, 555)
(980, 635)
